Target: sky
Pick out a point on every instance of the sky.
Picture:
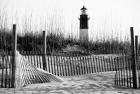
(108, 18)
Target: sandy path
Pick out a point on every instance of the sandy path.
(99, 83)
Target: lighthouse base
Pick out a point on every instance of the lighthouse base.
(83, 35)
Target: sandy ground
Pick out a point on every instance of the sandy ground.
(97, 83)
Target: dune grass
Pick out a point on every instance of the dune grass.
(56, 42)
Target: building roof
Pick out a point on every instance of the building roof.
(83, 8)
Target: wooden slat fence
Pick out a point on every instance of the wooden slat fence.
(123, 76)
(72, 65)
(61, 65)
(5, 72)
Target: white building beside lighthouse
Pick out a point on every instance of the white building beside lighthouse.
(83, 33)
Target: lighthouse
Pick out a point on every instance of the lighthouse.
(83, 32)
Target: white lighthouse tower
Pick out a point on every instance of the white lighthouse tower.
(83, 33)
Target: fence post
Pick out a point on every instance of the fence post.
(137, 63)
(136, 47)
(133, 58)
(44, 50)
(14, 55)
